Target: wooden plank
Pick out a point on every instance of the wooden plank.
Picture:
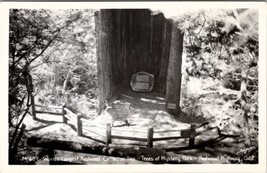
(69, 111)
(64, 119)
(72, 123)
(129, 138)
(108, 134)
(47, 112)
(192, 135)
(168, 138)
(169, 134)
(203, 124)
(40, 105)
(127, 130)
(168, 131)
(72, 118)
(181, 134)
(131, 134)
(79, 125)
(150, 138)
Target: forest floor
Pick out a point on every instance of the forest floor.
(146, 110)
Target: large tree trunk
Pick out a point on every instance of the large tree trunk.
(164, 59)
(174, 72)
(133, 40)
(104, 56)
(130, 41)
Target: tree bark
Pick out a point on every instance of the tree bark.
(137, 41)
(105, 50)
(174, 72)
(79, 147)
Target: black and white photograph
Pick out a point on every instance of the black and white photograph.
(134, 86)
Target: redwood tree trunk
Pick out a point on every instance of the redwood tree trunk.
(104, 55)
(130, 41)
(174, 76)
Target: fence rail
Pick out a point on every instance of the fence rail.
(129, 138)
(134, 131)
(48, 112)
(83, 125)
(35, 111)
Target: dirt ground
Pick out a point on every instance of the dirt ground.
(146, 111)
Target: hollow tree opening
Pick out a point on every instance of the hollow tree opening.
(134, 40)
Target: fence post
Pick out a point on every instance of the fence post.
(51, 156)
(150, 137)
(192, 135)
(79, 125)
(108, 134)
(64, 113)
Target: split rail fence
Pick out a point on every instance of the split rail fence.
(109, 133)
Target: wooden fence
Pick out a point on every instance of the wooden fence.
(151, 134)
(108, 133)
(46, 109)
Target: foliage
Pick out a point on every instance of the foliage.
(27, 42)
(29, 37)
(74, 54)
(219, 40)
(223, 45)
(45, 45)
(70, 76)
